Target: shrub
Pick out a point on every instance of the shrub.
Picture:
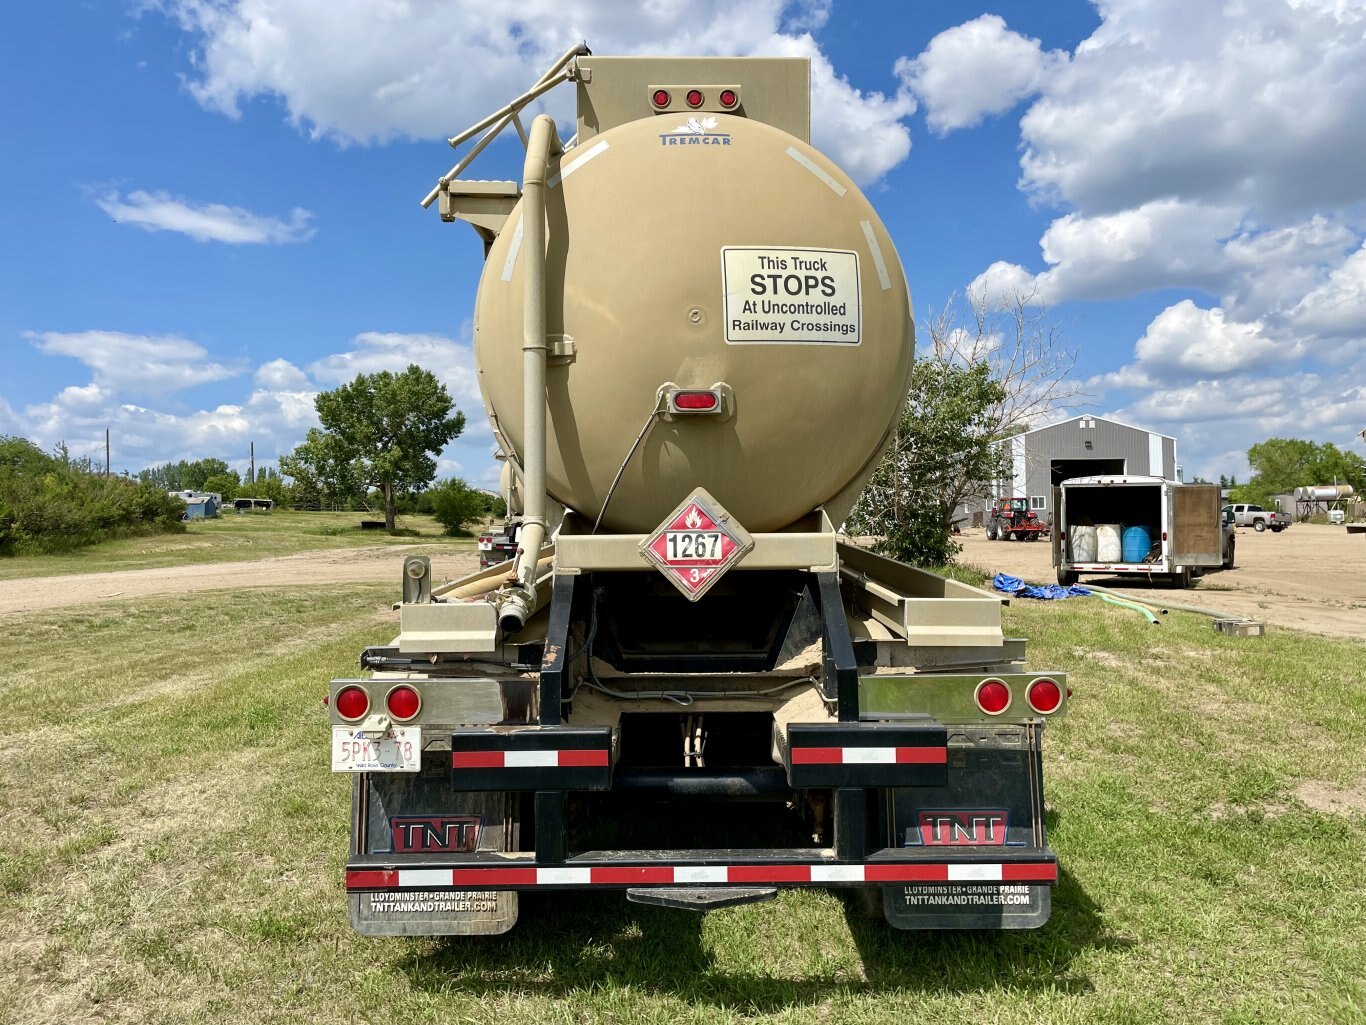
(49, 505)
(455, 504)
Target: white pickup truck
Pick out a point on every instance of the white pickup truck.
(1257, 518)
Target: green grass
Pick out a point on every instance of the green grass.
(174, 841)
(232, 538)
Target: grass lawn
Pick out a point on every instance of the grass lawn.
(232, 538)
(174, 841)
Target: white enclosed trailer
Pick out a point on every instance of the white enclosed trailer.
(1137, 525)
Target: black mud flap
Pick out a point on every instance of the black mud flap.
(993, 804)
(392, 813)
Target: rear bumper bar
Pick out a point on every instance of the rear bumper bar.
(622, 870)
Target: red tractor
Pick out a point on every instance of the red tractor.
(1013, 518)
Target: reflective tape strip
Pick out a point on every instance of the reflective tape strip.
(552, 759)
(564, 172)
(530, 759)
(975, 873)
(817, 170)
(837, 873)
(422, 878)
(514, 247)
(700, 874)
(564, 876)
(818, 873)
(869, 755)
(878, 261)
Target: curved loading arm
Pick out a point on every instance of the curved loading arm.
(517, 601)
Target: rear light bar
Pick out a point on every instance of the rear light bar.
(665, 98)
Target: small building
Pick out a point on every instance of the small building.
(1084, 446)
(253, 504)
(201, 507)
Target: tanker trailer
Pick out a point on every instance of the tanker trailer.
(693, 338)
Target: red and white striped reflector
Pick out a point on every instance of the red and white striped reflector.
(870, 755)
(529, 759)
(685, 875)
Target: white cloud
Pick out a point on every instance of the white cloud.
(1184, 342)
(1002, 283)
(205, 222)
(1256, 101)
(280, 375)
(974, 70)
(1336, 308)
(135, 364)
(357, 71)
(452, 362)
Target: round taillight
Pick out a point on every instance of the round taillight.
(694, 97)
(661, 97)
(403, 702)
(352, 703)
(1044, 696)
(728, 98)
(993, 696)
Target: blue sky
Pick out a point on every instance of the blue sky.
(209, 208)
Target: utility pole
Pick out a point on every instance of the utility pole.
(251, 473)
(106, 453)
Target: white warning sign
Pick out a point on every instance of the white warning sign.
(794, 296)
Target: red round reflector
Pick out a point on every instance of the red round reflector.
(661, 97)
(728, 98)
(700, 401)
(993, 696)
(403, 702)
(352, 703)
(694, 97)
(1044, 696)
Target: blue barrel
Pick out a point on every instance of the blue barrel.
(1136, 543)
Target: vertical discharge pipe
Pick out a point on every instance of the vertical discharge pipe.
(518, 600)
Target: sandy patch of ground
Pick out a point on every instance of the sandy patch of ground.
(1311, 577)
(383, 564)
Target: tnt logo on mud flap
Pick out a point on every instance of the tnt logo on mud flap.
(428, 834)
(958, 829)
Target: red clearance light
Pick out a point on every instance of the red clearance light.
(1044, 696)
(993, 696)
(661, 98)
(728, 98)
(696, 401)
(403, 702)
(695, 97)
(352, 703)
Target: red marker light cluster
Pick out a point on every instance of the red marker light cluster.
(695, 97)
(352, 703)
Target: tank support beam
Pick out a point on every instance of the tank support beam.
(839, 676)
(555, 666)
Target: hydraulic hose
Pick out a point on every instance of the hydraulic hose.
(1147, 614)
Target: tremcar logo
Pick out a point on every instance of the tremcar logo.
(696, 132)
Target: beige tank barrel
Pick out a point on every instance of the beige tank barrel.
(710, 252)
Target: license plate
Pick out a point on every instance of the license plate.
(399, 750)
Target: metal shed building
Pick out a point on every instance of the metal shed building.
(1083, 446)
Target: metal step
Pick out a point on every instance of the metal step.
(700, 898)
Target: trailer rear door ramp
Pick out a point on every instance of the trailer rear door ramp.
(700, 898)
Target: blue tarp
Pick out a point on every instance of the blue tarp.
(1048, 592)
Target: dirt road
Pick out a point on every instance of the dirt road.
(344, 565)
(1310, 577)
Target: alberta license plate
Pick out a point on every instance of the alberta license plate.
(399, 750)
